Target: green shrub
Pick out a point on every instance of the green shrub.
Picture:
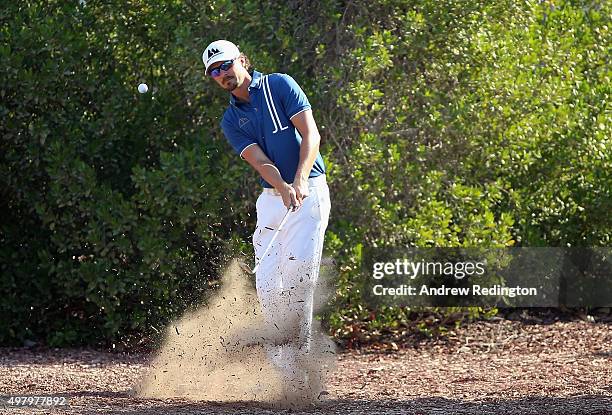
(444, 123)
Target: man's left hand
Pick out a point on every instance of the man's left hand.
(301, 190)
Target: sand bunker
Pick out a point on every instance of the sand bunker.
(217, 353)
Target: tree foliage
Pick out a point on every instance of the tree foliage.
(445, 123)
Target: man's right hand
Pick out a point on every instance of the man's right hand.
(289, 196)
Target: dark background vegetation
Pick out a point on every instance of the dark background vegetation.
(453, 123)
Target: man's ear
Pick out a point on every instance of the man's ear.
(242, 60)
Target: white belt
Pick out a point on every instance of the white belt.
(312, 182)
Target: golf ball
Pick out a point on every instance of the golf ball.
(143, 88)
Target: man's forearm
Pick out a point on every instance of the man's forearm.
(308, 154)
(264, 166)
(271, 174)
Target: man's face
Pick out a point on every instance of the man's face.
(231, 78)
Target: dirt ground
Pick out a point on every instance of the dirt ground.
(498, 367)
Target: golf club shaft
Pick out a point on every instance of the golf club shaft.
(273, 239)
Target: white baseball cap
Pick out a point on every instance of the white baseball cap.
(219, 51)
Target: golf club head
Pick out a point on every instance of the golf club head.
(243, 265)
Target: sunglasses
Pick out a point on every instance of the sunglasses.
(224, 66)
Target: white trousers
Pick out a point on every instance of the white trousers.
(287, 276)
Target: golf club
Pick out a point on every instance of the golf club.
(258, 262)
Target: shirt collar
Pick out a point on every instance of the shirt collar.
(255, 83)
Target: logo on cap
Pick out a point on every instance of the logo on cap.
(212, 52)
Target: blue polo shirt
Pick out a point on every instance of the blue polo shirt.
(266, 121)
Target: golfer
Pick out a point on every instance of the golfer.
(269, 123)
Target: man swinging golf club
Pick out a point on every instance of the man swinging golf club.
(269, 123)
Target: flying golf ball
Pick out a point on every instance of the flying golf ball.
(143, 88)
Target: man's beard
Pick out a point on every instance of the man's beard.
(230, 83)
